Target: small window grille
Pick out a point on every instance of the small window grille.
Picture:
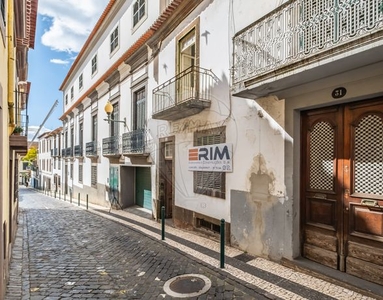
(94, 176)
(80, 173)
(201, 223)
(210, 183)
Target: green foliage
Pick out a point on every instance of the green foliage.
(31, 155)
(18, 129)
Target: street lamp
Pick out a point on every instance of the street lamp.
(109, 109)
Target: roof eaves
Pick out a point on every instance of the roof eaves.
(141, 41)
(87, 42)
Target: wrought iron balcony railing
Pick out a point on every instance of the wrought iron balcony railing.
(111, 146)
(78, 150)
(91, 149)
(69, 152)
(54, 152)
(135, 142)
(63, 152)
(188, 93)
(299, 30)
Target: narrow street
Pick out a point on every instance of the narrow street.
(70, 253)
(64, 251)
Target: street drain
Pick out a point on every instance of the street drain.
(188, 285)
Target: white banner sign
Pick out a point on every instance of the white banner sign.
(211, 158)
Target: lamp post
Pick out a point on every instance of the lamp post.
(109, 110)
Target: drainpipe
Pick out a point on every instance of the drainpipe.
(11, 67)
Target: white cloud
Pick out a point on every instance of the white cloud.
(59, 61)
(71, 22)
(32, 132)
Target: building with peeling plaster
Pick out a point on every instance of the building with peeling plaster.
(266, 117)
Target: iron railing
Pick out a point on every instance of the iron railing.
(301, 29)
(78, 150)
(63, 152)
(111, 145)
(194, 83)
(54, 152)
(135, 142)
(69, 152)
(91, 148)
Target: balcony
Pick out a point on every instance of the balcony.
(111, 146)
(91, 149)
(54, 152)
(18, 143)
(303, 41)
(184, 95)
(135, 143)
(78, 151)
(69, 152)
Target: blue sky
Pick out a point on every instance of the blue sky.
(62, 28)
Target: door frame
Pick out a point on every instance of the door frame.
(162, 160)
(344, 174)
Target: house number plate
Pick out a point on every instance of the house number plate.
(339, 92)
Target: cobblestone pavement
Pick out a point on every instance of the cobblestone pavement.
(63, 251)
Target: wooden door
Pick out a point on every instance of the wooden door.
(342, 190)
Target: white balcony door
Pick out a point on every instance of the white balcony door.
(187, 52)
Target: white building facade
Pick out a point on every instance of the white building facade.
(217, 110)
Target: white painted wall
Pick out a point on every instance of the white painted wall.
(255, 128)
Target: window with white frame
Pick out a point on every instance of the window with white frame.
(80, 82)
(139, 11)
(114, 40)
(210, 183)
(94, 128)
(66, 99)
(94, 64)
(139, 109)
(114, 126)
(72, 93)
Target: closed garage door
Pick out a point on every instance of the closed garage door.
(143, 188)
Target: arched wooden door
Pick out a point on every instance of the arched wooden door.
(342, 188)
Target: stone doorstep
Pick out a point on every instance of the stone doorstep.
(336, 277)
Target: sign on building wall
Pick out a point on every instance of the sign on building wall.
(211, 158)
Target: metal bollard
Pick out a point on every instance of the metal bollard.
(70, 197)
(78, 199)
(64, 196)
(59, 194)
(222, 231)
(87, 201)
(163, 223)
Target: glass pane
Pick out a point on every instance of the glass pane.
(322, 143)
(369, 156)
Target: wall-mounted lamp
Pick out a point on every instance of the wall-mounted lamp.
(109, 109)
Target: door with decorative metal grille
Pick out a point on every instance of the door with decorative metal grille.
(341, 188)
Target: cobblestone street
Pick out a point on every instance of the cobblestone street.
(63, 251)
(70, 253)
